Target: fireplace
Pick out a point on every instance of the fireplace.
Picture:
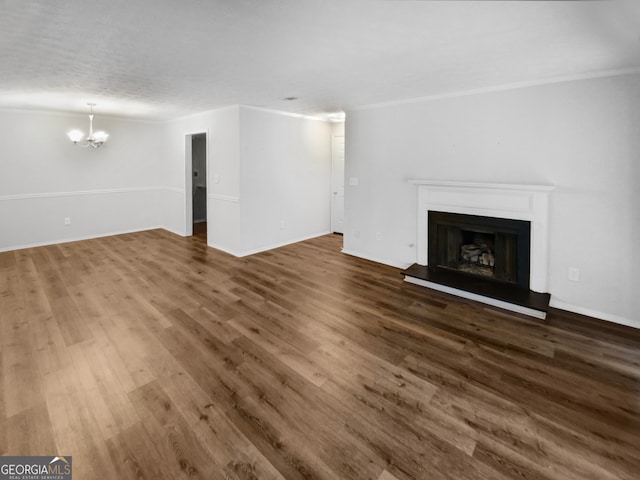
(483, 241)
(494, 249)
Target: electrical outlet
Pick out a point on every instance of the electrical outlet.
(356, 234)
(574, 274)
(353, 181)
(67, 221)
(378, 235)
(281, 224)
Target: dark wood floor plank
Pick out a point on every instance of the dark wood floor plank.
(150, 355)
(590, 396)
(222, 439)
(280, 397)
(618, 460)
(392, 402)
(214, 377)
(281, 350)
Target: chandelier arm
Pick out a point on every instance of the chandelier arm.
(91, 140)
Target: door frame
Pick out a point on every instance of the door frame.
(188, 183)
(333, 189)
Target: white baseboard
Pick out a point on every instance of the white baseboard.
(224, 249)
(384, 261)
(174, 231)
(594, 313)
(80, 238)
(553, 303)
(281, 244)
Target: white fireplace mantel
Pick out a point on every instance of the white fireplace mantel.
(517, 202)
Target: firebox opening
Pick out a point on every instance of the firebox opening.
(494, 249)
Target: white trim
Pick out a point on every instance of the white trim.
(174, 190)
(83, 237)
(333, 191)
(78, 193)
(492, 186)
(286, 114)
(63, 112)
(517, 202)
(223, 198)
(502, 88)
(384, 261)
(478, 298)
(188, 179)
(175, 232)
(594, 313)
(280, 244)
(224, 249)
(188, 184)
(188, 116)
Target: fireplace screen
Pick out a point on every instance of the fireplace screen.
(492, 248)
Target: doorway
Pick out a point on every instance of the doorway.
(337, 184)
(196, 184)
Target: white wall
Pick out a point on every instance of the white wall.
(581, 136)
(44, 178)
(270, 167)
(285, 174)
(137, 180)
(222, 127)
(337, 129)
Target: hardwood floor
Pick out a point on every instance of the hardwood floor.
(151, 356)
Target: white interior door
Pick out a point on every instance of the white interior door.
(337, 184)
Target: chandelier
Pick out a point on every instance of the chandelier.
(95, 139)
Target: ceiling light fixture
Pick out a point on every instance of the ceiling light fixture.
(95, 139)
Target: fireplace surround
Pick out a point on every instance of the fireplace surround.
(519, 216)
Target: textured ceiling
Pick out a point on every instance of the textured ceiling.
(161, 59)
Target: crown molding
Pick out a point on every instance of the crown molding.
(502, 88)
